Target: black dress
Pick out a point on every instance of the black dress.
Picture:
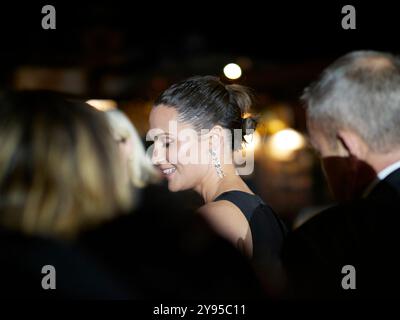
(164, 250)
(267, 230)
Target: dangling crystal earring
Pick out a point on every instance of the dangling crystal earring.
(217, 164)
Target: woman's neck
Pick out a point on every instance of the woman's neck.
(212, 185)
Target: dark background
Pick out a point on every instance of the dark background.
(144, 39)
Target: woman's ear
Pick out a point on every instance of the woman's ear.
(216, 137)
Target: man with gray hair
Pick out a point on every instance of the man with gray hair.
(353, 118)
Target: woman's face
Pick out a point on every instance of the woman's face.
(125, 148)
(178, 151)
(125, 151)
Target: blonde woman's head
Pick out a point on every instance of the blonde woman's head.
(138, 166)
(59, 166)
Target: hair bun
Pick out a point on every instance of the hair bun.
(241, 95)
(249, 123)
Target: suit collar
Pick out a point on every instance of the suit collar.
(388, 187)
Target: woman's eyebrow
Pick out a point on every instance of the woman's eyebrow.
(157, 136)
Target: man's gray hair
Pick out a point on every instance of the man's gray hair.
(361, 92)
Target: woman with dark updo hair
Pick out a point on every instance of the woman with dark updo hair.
(199, 117)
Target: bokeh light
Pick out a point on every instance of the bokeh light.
(102, 104)
(232, 71)
(284, 143)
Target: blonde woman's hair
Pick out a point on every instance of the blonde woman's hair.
(59, 166)
(141, 169)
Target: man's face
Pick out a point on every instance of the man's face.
(347, 175)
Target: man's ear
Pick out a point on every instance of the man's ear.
(352, 144)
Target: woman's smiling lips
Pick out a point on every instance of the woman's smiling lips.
(168, 171)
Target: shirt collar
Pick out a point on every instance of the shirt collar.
(381, 176)
(388, 170)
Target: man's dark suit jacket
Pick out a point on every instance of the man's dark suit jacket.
(363, 234)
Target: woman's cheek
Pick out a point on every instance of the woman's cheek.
(172, 154)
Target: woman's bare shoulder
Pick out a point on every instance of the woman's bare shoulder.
(229, 221)
(221, 210)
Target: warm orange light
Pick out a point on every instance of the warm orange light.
(275, 125)
(102, 104)
(284, 143)
(253, 141)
